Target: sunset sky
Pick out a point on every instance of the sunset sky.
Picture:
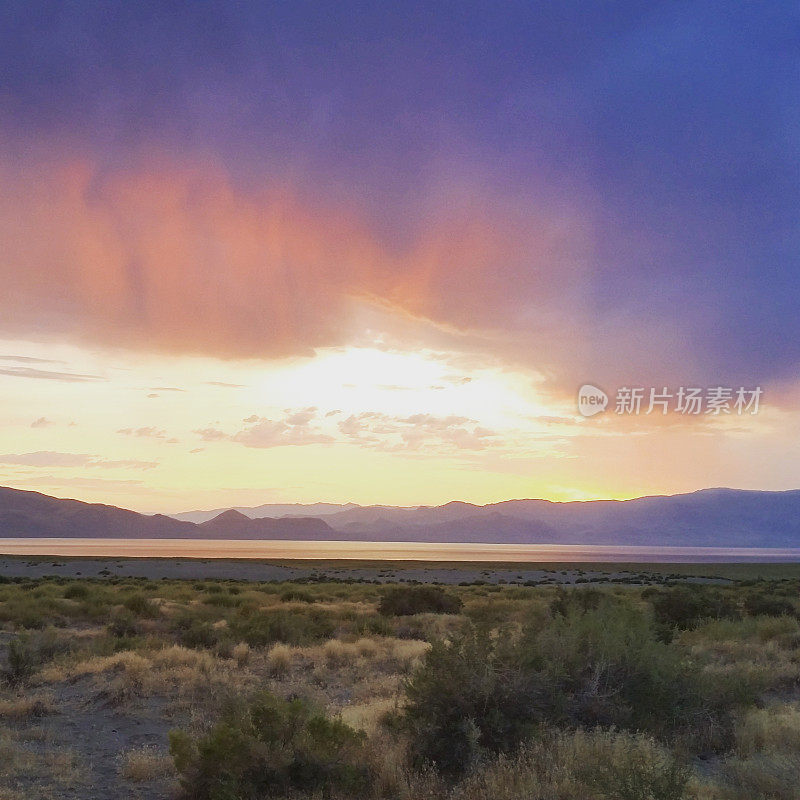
(273, 252)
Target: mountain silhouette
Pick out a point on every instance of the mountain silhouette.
(706, 518)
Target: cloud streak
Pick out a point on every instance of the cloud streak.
(52, 458)
(48, 375)
(146, 432)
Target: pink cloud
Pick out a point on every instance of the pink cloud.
(211, 434)
(416, 432)
(50, 458)
(265, 433)
(165, 256)
(169, 257)
(147, 432)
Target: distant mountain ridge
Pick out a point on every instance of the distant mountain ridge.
(706, 518)
(268, 510)
(31, 514)
(235, 525)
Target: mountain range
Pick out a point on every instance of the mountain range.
(30, 514)
(706, 518)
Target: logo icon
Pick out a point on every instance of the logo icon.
(591, 400)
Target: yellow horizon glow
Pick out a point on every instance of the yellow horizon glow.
(387, 427)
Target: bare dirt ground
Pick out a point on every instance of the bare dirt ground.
(74, 751)
(251, 570)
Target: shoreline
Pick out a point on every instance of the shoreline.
(302, 550)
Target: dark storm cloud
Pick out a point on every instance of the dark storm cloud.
(650, 153)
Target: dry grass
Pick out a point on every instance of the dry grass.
(567, 766)
(66, 767)
(375, 686)
(337, 653)
(385, 653)
(767, 758)
(126, 661)
(776, 728)
(359, 677)
(767, 776)
(146, 763)
(183, 675)
(279, 659)
(176, 656)
(763, 650)
(407, 653)
(27, 706)
(14, 758)
(53, 771)
(367, 716)
(367, 648)
(140, 668)
(241, 654)
(365, 670)
(749, 629)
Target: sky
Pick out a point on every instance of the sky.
(287, 252)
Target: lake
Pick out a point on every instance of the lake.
(385, 551)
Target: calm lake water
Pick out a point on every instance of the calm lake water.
(388, 551)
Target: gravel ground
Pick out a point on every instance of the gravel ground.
(252, 570)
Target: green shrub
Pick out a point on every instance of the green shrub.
(141, 605)
(271, 748)
(406, 600)
(629, 768)
(297, 596)
(32, 616)
(586, 599)
(604, 668)
(373, 625)
(490, 613)
(684, 607)
(579, 765)
(28, 652)
(76, 591)
(22, 658)
(768, 776)
(123, 625)
(470, 698)
(607, 667)
(50, 643)
(223, 600)
(764, 605)
(784, 630)
(94, 608)
(263, 628)
(199, 634)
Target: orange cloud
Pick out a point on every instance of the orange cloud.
(172, 258)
